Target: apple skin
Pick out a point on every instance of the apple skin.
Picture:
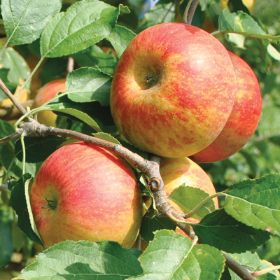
(45, 94)
(173, 90)
(244, 118)
(176, 172)
(84, 192)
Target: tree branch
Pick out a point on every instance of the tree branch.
(12, 98)
(151, 168)
(240, 270)
(11, 137)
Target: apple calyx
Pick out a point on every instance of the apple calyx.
(51, 204)
(147, 75)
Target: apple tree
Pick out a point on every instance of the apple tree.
(139, 139)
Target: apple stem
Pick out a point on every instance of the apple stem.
(150, 168)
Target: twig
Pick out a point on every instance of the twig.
(151, 168)
(12, 98)
(70, 64)
(11, 137)
(190, 11)
(240, 270)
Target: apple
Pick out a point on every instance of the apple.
(8, 111)
(244, 118)
(173, 90)
(84, 192)
(249, 4)
(179, 171)
(45, 94)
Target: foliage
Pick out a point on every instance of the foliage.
(37, 39)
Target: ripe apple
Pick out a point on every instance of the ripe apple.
(84, 192)
(176, 172)
(8, 111)
(173, 90)
(244, 118)
(45, 94)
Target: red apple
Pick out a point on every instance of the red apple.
(176, 172)
(45, 94)
(244, 118)
(173, 90)
(84, 192)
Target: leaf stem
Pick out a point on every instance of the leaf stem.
(23, 153)
(265, 271)
(33, 72)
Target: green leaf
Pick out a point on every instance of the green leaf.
(6, 243)
(244, 24)
(5, 129)
(97, 58)
(18, 68)
(88, 85)
(24, 20)
(150, 224)
(120, 37)
(204, 4)
(171, 256)
(162, 12)
(20, 202)
(38, 149)
(63, 108)
(238, 22)
(220, 230)
(107, 137)
(84, 24)
(252, 162)
(256, 203)
(4, 77)
(83, 260)
(7, 153)
(180, 197)
(270, 121)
